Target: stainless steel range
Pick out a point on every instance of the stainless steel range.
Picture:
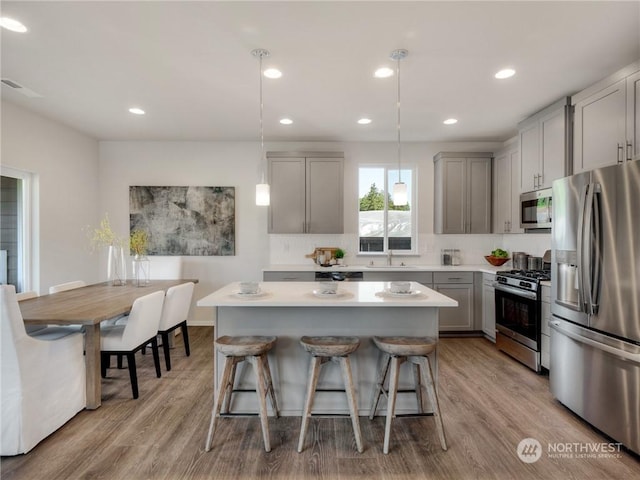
(518, 314)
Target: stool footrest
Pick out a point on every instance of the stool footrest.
(330, 415)
(331, 390)
(410, 415)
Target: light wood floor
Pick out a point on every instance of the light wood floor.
(489, 404)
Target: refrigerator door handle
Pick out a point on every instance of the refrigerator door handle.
(580, 249)
(596, 251)
(632, 357)
(586, 258)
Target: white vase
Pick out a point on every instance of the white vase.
(116, 266)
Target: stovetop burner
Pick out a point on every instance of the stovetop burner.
(523, 279)
(540, 275)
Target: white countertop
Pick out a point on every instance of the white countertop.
(301, 294)
(484, 268)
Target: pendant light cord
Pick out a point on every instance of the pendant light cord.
(398, 107)
(261, 123)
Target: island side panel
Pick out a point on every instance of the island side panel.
(289, 361)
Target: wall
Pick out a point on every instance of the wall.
(192, 163)
(291, 249)
(80, 179)
(65, 167)
(124, 163)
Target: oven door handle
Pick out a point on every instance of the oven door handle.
(515, 291)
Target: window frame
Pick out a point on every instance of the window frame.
(26, 214)
(412, 202)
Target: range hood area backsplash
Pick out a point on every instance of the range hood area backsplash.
(291, 249)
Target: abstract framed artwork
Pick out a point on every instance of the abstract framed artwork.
(198, 221)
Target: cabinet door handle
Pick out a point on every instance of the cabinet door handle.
(535, 181)
(540, 180)
(620, 154)
(629, 151)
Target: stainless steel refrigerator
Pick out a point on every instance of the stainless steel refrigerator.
(595, 300)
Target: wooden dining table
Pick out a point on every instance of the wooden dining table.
(89, 306)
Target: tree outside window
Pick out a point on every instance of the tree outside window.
(382, 225)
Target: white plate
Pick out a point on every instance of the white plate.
(319, 294)
(259, 293)
(412, 293)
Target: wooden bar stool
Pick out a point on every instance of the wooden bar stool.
(336, 349)
(396, 351)
(253, 350)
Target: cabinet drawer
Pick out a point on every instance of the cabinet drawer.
(453, 277)
(288, 276)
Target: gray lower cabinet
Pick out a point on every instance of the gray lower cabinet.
(459, 286)
(546, 330)
(489, 307)
(278, 276)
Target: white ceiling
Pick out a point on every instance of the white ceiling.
(188, 64)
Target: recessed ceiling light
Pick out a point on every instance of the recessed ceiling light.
(272, 73)
(136, 111)
(364, 121)
(383, 72)
(286, 121)
(13, 25)
(505, 73)
(450, 121)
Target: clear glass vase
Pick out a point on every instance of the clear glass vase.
(141, 270)
(117, 267)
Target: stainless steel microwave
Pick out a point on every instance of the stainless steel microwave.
(535, 210)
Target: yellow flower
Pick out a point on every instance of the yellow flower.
(138, 242)
(104, 236)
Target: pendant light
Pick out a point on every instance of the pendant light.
(262, 189)
(399, 188)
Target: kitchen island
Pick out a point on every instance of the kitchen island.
(290, 310)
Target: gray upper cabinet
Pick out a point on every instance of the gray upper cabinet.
(607, 121)
(462, 192)
(506, 177)
(306, 192)
(544, 149)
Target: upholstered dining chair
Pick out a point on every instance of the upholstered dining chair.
(139, 329)
(30, 329)
(42, 381)
(174, 315)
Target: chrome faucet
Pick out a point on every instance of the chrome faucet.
(389, 257)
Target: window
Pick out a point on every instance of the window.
(15, 264)
(383, 226)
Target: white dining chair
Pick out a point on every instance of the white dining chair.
(139, 329)
(43, 382)
(63, 287)
(52, 332)
(175, 311)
